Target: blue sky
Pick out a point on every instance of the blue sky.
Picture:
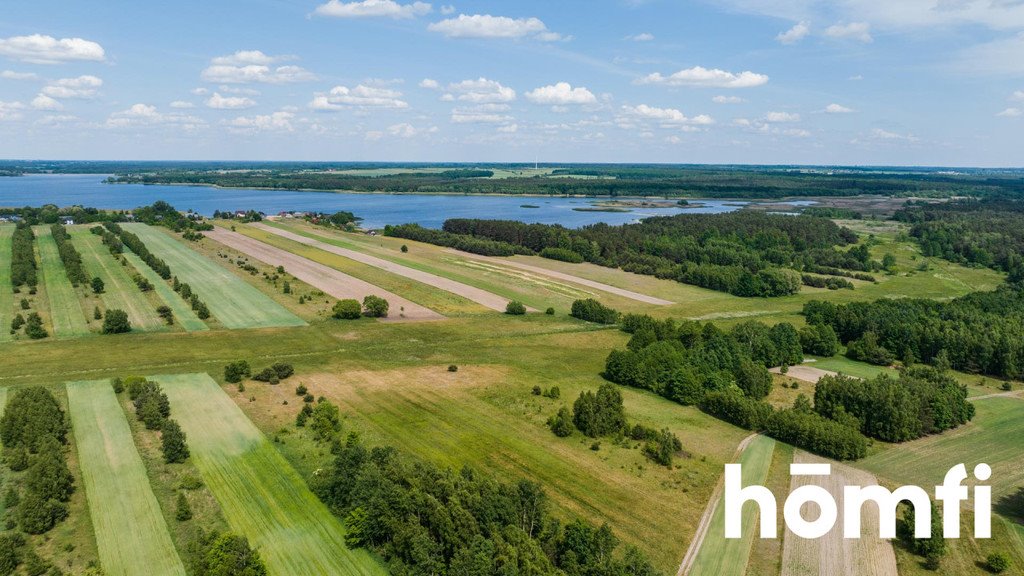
(912, 82)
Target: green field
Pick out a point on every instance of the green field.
(120, 291)
(6, 296)
(719, 556)
(65, 308)
(233, 302)
(183, 314)
(262, 496)
(131, 534)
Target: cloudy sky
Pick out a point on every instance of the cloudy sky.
(911, 82)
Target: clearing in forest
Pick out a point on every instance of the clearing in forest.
(232, 301)
(131, 533)
(718, 555)
(6, 294)
(119, 290)
(65, 308)
(330, 281)
(832, 554)
(262, 496)
(488, 299)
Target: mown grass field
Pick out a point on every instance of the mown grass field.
(183, 314)
(6, 294)
(66, 312)
(131, 534)
(719, 556)
(233, 302)
(443, 302)
(262, 496)
(119, 291)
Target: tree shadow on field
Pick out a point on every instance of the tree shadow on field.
(1012, 506)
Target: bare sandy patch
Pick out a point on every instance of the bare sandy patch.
(805, 373)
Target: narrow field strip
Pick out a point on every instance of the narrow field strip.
(65, 309)
(718, 556)
(833, 554)
(330, 281)
(232, 301)
(120, 290)
(6, 294)
(131, 533)
(184, 316)
(568, 278)
(262, 496)
(488, 299)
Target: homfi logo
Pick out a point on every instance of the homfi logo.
(951, 493)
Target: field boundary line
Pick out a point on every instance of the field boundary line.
(482, 297)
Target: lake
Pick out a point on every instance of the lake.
(377, 210)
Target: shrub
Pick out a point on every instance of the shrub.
(453, 368)
(184, 510)
(166, 313)
(550, 311)
(515, 308)
(97, 285)
(537, 391)
(301, 390)
(405, 248)
(173, 442)
(997, 563)
(236, 371)
(116, 322)
(283, 370)
(375, 307)
(268, 375)
(561, 423)
(593, 311)
(347, 309)
(662, 447)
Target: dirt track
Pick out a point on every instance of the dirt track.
(570, 278)
(331, 281)
(833, 555)
(492, 301)
(805, 373)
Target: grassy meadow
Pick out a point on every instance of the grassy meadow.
(66, 313)
(234, 303)
(184, 316)
(7, 301)
(130, 530)
(262, 497)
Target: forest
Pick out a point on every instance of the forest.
(982, 332)
(585, 180)
(422, 519)
(986, 232)
(743, 253)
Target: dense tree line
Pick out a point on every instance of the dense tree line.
(34, 434)
(52, 214)
(593, 311)
(744, 253)
(921, 401)
(982, 332)
(23, 258)
(602, 180)
(161, 213)
(422, 519)
(988, 232)
(832, 212)
(110, 240)
(69, 255)
(136, 245)
(457, 241)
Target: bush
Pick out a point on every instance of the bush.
(268, 375)
(561, 423)
(515, 308)
(997, 563)
(375, 307)
(283, 370)
(301, 390)
(593, 311)
(237, 371)
(561, 254)
(453, 368)
(116, 322)
(550, 311)
(662, 447)
(173, 442)
(599, 414)
(184, 511)
(97, 285)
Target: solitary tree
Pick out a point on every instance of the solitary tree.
(375, 307)
(116, 322)
(172, 440)
(347, 309)
(97, 285)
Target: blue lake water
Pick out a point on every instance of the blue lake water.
(376, 210)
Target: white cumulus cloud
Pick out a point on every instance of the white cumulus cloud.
(727, 100)
(487, 26)
(12, 75)
(40, 49)
(372, 9)
(1010, 113)
(10, 110)
(859, 31)
(430, 84)
(707, 78)
(798, 32)
(253, 66)
(81, 87)
(362, 96)
(277, 122)
(44, 102)
(479, 91)
(641, 37)
(181, 104)
(837, 109)
(666, 116)
(777, 117)
(561, 94)
(219, 102)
